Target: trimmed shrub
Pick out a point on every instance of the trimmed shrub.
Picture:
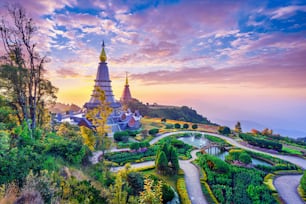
(153, 131)
(121, 136)
(185, 126)
(177, 126)
(182, 191)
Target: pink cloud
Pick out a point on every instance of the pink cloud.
(66, 72)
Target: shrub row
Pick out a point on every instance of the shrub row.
(261, 142)
(182, 191)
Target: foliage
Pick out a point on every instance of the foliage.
(182, 191)
(303, 181)
(138, 145)
(4, 142)
(245, 158)
(117, 190)
(98, 117)
(177, 126)
(167, 193)
(121, 136)
(43, 184)
(216, 164)
(153, 131)
(88, 137)
(224, 130)
(74, 191)
(161, 162)
(167, 159)
(125, 157)
(183, 113)
(238, 185)
(22, 68)
(215, 139)
(291, 151)
(136, 182)
(152, 193)
(71, 151)
(261, 142)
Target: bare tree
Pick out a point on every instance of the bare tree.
(22, 68)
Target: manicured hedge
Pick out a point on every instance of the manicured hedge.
(182, 191)
(261, 142)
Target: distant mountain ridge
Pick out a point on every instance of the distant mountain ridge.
(247, 125)
(182, 113)
(62, 108)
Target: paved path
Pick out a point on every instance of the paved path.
(192, 180)
(287, 187)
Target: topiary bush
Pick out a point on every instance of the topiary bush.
(121, 136)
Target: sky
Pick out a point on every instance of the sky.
(229, 60)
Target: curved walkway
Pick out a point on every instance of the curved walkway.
(287, 187)
(192, 177)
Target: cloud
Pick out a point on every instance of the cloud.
(285, 12)
(255, 76)
(67, 72)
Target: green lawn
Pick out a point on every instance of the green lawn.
(291, 151)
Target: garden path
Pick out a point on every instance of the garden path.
(192, 177)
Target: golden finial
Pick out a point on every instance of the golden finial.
(126, 79)
(103, 57)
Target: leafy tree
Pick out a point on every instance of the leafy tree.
(167, 192)
(153, 131)
(245, 158)
(4, 142)
(121, 136)
(177, 126)
(224, 130)
(194, 126)
(98, 117)
(238, 127)
(161, 162)
(22, 70)
(152, 193)
(119, 196)
(185, 126)
(135, 146)
(267, 132)
(136, 182)
(88, 137)
(255, 132)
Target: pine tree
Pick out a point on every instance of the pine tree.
(162, 162)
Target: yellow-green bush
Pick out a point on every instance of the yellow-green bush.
(203, 174)
(145, 168)
(211, 194)
(180, 172)
(268, 180)
(302, 193)
(182, 191)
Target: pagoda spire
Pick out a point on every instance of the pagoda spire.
(103, 57)
(126, 79)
